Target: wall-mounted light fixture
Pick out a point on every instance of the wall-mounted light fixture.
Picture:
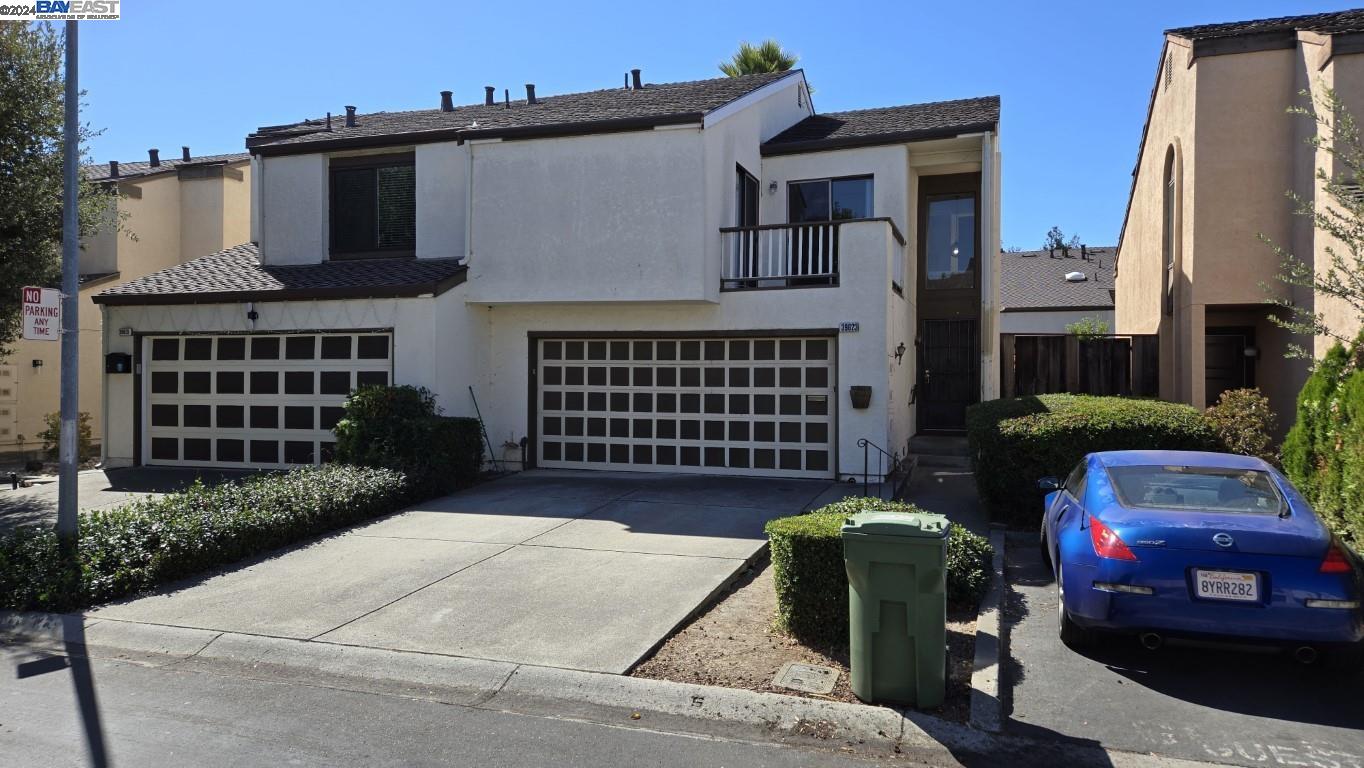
(1251, 352)
(900, 353)
(37, 363)
(771, 187)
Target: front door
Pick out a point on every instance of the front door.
(1225, 364)
(948, 374)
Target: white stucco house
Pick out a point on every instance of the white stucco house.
(704, 277)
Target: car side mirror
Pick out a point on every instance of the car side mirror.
(1049, 484)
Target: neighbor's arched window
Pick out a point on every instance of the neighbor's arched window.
(1169, 245)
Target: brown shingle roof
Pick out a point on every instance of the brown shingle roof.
(887, 125)
(1036, 280)
(654, 103)
(131, 170)
(1324, 23)
(236, 274)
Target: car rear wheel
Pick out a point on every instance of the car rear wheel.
(1072, 634)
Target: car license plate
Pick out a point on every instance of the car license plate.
(1227, 585)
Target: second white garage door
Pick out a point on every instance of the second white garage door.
(744, 406)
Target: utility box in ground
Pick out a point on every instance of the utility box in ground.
(897, 606)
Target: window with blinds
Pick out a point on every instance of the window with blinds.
(373, 206)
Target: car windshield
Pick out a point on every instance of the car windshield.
(1213, 489)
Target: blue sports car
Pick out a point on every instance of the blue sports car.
(1198, 546)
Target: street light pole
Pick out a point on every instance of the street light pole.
(70, 402)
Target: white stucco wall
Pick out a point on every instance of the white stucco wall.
(888, 165)
(292, 214)
(442, 173)
(1049, 322)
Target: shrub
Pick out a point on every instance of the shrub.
(1324, 452)
(812, 584)
(131, 548)
(1243, 423)
(1015, 442)
(52, 436)
(401, 428)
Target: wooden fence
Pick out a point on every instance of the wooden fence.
(1105, 365)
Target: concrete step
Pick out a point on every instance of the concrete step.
(942, 462)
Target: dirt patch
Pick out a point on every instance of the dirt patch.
(734, 644)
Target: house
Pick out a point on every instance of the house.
(171, 210)
(1043, 292)
(702, 276)
(1218, 153)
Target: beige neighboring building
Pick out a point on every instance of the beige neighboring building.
(1218, 153)
(174, 210)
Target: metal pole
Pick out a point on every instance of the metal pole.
(66, 486)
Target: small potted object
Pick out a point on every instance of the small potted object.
(861, 396)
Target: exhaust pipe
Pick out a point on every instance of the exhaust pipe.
(1151, 641)
(1306, 655)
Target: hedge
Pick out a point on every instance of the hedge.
(812, 584)
(400, 428)
(1014, 442)
(1324, 452)
(132, 548)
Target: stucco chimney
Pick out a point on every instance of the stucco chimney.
(154, 157)
(634, 79)
(447, 101)
(350, 116)
(530, 93)
(184, 154)
(113, 169)
(488, 98)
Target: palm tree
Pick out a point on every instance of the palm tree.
(755, 59)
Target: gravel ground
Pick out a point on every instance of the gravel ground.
(734, 644)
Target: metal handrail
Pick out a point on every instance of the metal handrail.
(881, 455)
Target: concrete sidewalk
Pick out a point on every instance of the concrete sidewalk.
(578, 570)
(100, 489)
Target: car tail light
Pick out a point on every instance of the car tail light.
(1106, 542)
(1335, 561)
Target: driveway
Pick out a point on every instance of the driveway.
(1194, 703)
(579, 570)
(99, 489)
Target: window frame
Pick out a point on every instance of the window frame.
(931, 284)
(829, 182)
(371, 162)
(742, 182)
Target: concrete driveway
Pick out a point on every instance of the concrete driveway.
(577, 570)
(1202, 704)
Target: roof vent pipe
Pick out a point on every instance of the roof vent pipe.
(488, 97)
(627, 81)
(1084, 251)
(154, 156)
(530, 93)
(634, 79)
(329, 121)
(113, 169)
(184, 154)
(506, 98)
(447, 101)
(350, 116)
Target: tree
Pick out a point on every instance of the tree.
(1340, 217)
(52, 436)
(751, 59)
(31, 118)
(1056, 240)
(1088, 328)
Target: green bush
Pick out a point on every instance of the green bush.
(52, 436)
(812, 585)
(1244, 423)
(401, 428)
(1324, 452)
(1015, 442)
(131, 548)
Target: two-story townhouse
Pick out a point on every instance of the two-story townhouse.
(1219, 151)
(169, 211)
(686, 277)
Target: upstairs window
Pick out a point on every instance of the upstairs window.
(746, 199)
(373, 206)
(829, 199)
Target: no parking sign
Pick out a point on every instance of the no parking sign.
(42, 314)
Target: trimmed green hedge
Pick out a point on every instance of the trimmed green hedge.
(812, 584)
(401, 428)
(1324, 452)
(1014, 442)
(132, 548)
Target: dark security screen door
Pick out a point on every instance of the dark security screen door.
(948, 374)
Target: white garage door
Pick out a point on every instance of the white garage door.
(253, 400)
(752, 406)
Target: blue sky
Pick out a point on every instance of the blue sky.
(1074, 76)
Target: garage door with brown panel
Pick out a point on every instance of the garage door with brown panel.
(742, 406)
(257, 400)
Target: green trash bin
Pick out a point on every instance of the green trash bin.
(897, 606)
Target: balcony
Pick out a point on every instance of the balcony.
(793, 255)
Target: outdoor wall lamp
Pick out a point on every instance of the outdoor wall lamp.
(771, 187)
(1251, 352)
(37, 363)
(900, 353)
